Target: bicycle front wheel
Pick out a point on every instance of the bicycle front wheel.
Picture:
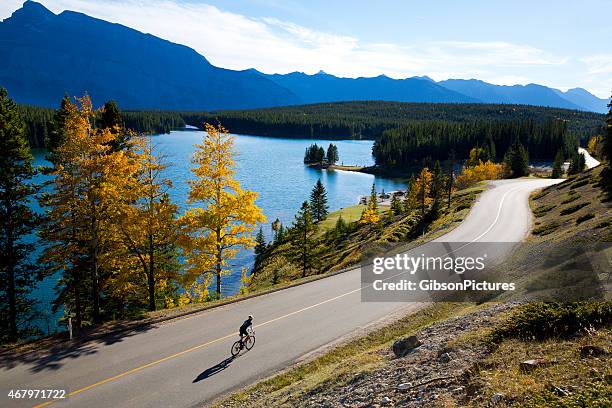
(250, 342)
(236, 348)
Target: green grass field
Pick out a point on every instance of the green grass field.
(349, 214)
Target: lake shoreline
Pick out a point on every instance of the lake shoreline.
(373, 170)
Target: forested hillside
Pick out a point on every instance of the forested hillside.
(353, 120)
(39, 122)
(440, 140)
(368, 119)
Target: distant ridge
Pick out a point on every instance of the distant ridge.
(44, 56)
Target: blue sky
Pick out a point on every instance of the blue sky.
(561, 43)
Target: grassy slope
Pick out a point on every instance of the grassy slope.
(572, 221)
(339, 252)
(588, 382)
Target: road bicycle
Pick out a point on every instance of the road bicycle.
(247, 342)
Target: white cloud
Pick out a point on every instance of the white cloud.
(599, 64)
(236, 41)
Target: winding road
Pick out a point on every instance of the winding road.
(184, 362)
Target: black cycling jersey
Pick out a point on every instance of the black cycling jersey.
(247, 323)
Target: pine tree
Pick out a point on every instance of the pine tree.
(314, 154)
(332, 154)
(260, 246)
(517, 160)
(213, 234)
(408, 205)
(18, 220)
(557, 171)
(318, 202)
(492, 151)
(280, 237)
(577, 164)
(437, 183)
(450, 178)
(340, 227)
(607, 140)
(396, 205)
(302, 237)
(321, 155)
(607, 149)
(373, 201)
(275, 227)
(111, 119)
(57, 137)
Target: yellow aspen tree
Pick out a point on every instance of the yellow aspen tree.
(419, 196)
(214, 232)
(90, 184)
(147, 223)
(370, 213)
(369, 216)
(483, 171)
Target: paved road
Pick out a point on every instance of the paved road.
(182, 363)
(590, 161)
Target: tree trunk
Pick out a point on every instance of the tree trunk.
(77, 305)
(94, 290)
(12, 298)
(151, 274)
(219, 262)
(450, 187)
(94, 270)
(10, 267)
(304, 254)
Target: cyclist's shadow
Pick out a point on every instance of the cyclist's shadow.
(209, 372)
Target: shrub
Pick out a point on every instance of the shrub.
(573, 208)
(541, 320)
(545, 229)
(604, 224)
(584, 218)
(571, 197)
(542, 210)
(596, 395)
(580, 183)
(541, 194)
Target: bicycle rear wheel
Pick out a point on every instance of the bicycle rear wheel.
(250, 342)
(236, 348)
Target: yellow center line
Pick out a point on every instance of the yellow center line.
(180, 353)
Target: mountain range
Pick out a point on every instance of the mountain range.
(44, 56)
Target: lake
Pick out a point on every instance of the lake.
(271, 166)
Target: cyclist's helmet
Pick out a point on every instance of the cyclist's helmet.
(250, 317)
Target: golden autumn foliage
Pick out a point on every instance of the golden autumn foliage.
(476, 156)
(595, 145)
(213, 233)
(112, 231)
(146, 226)
(419, 195)
(369, 216)
(370, 213)
(470, 175)
(91, 182)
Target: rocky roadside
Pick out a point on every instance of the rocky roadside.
(429, 374)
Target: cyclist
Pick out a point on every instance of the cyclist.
(243, 329)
